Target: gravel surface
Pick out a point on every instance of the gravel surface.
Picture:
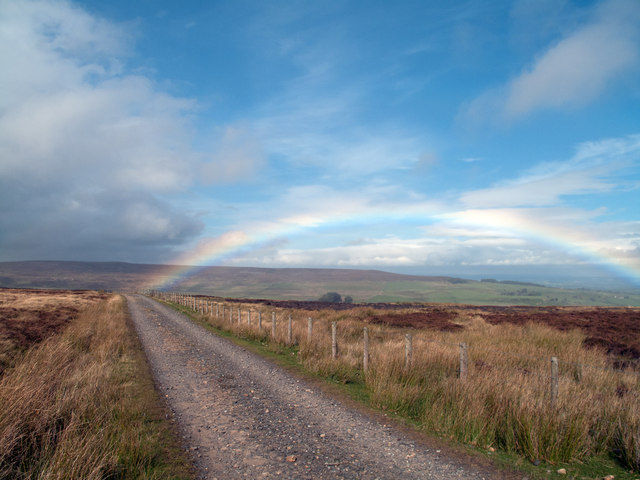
(243, 417)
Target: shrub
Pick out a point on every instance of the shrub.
(331, 297)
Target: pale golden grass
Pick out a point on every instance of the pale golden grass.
(71, 408)
(27, 316)
(37, 300)
(505, 402)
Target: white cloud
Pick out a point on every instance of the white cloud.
(86, 150)
(396, 251)
(597, 167)
(310, 129)
(574, 71)
(509, 237)
(319, 116)
(239, 155)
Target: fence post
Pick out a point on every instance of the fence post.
(231, 314)
(309, 329)
(365, 357)
(239, 316)
(334, 340)
(578, 373)
(259, 320)
(408, 350)
(289, 331)
(464, 361)
(273, 324)
(554, 381)
(217, 310)
(249, 317)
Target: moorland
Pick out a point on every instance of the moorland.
(368, 286)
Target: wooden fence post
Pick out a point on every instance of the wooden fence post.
(259, 320)
(578, 373)
(273, 324)
(249, 317)
(217, 310)
(231, 314)
(554, 382)
(309, 329)
(464, 361)
(239, 316)
(334, 340)
(365, 357)
(289, 331)
(408, 350)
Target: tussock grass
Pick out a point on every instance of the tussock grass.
(504, 403)
(81, 405)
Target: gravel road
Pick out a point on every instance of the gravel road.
(243, 417)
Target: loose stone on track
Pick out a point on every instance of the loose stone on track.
(243, 417)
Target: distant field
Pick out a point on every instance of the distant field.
(364, 286)
(485, 293)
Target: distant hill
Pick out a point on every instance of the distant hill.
(121, 276)
(300, 284)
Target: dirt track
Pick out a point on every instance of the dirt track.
(243, 417)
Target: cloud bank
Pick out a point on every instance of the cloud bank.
(89, 155)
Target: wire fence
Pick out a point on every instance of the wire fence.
(288, 328)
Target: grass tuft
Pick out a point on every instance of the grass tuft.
(82, 405)
(503, 404)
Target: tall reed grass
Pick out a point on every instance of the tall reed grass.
(82, 405)
(505, 400)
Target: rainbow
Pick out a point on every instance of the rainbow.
(516, 223)
(569, 239)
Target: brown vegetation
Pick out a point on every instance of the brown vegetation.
(80, 404)
(615, 330)
(505, 400)
(29, 316)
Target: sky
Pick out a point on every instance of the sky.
(416, 136)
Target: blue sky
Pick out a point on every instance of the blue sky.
(406, 136)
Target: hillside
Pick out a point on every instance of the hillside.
(300, 284)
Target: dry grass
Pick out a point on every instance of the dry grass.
(29, 316)
(77, 406)
(505, 400)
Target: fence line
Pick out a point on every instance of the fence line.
(202, 306)
(192, 301)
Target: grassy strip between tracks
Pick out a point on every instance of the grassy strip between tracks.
(82, 404)
(456, 423)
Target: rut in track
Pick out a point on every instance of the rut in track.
(243, 417)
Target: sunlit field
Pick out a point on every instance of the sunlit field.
(505, 400)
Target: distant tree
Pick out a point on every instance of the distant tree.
(348, 299)
(331, 297)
